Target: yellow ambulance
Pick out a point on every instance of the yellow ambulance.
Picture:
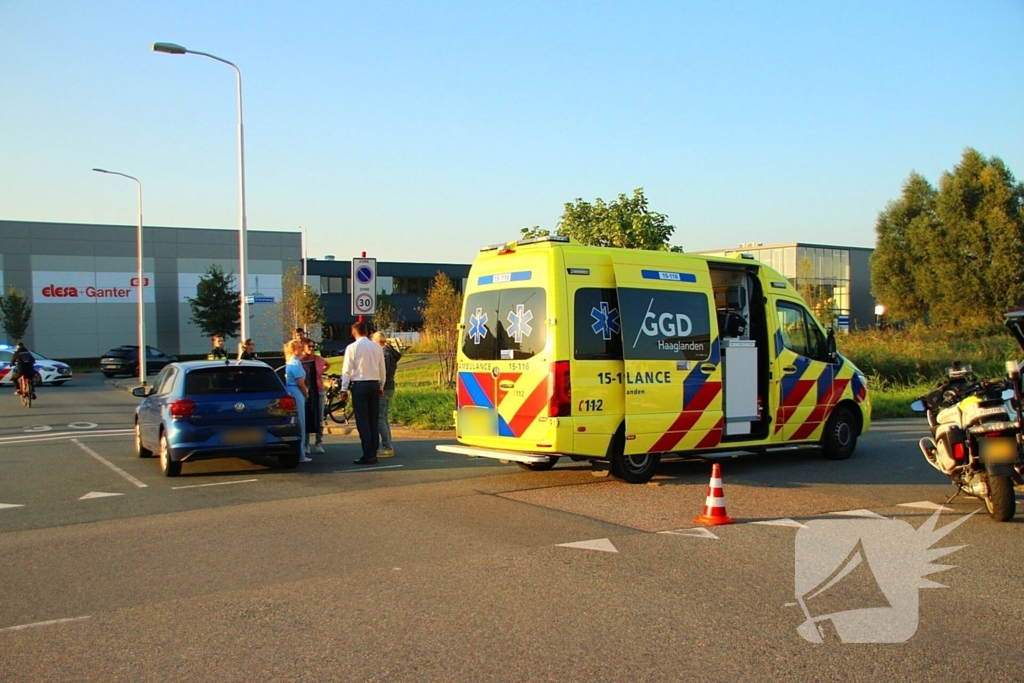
(624, 357)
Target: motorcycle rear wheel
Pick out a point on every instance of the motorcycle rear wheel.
(1001, 502)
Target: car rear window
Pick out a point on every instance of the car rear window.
(116, 353)
(231, 380)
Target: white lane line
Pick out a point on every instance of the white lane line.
(216, 483)
(57, 436)
(368, 469)
(108, 463)
(4, 506)
(43, 623)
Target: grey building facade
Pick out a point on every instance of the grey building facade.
(405, 283)
(81, 281)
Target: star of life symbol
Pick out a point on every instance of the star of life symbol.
(518, 321)
(863, 576)
(478, 326)
(606, 323)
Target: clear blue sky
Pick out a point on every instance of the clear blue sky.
(419, 131)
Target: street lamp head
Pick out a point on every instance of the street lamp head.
(101, 170)
(169, 48)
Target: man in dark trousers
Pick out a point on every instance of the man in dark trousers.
(364, 371)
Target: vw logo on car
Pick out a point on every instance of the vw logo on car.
(239, 407)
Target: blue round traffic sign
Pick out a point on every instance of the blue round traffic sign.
(364, 274)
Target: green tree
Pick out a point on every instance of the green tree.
(952, 256)
(902, 276)
(300, 304)
(215, 307)
(386, 317)
(626, 222)
(980, 249)
(15, 314)
(442, 314)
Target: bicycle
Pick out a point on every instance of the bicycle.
(25, 389)
(337, 408)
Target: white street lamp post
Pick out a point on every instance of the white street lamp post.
(243, 248)
(140, 276)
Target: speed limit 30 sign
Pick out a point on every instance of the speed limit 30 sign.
(364, 286)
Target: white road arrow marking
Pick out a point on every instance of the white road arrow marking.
(924, 505)
(98, 494)
(696, 532)
(4, 506)
(785, 521)
(602, 544)
(858, 513)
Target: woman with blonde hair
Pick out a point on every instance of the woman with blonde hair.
(391, 358)
(295, 383)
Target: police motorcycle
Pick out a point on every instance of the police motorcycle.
(977, 438)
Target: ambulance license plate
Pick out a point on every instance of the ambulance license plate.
(998, 449)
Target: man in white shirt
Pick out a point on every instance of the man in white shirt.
(364, 371)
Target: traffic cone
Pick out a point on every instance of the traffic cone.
(714, 507)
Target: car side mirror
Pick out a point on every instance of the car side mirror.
(141, 392)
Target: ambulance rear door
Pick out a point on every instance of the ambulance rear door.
(672, 375)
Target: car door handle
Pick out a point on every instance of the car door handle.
(789, 369)
(708, 368)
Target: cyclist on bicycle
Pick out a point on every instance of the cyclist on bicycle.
(24, 365)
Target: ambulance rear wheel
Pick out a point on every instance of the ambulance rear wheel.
(539, 466)
(635, 469)
(840, 437)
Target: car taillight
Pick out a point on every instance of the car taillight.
(182, 408)
(288, 404)
(560, 396)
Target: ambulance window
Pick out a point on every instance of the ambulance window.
(799, 333)
(598, 326)
(665, 325)
(505, 324)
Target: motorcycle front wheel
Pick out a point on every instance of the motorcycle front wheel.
(1000, 502)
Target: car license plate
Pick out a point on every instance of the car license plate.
(244, 437)
(998, 449)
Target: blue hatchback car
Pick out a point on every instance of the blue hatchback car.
(216, 409)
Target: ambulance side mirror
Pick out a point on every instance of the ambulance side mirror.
(830, 346)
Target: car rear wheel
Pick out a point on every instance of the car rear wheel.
(142, 451)
(291, 460)
(169, 467)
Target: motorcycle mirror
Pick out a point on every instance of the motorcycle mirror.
(917, 406)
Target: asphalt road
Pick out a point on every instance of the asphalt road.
(435, 567)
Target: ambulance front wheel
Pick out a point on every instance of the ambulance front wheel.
(840, 437)
(539, 466)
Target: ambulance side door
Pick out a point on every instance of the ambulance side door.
(672, 373)
(804, 379)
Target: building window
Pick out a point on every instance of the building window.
(331, 285)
